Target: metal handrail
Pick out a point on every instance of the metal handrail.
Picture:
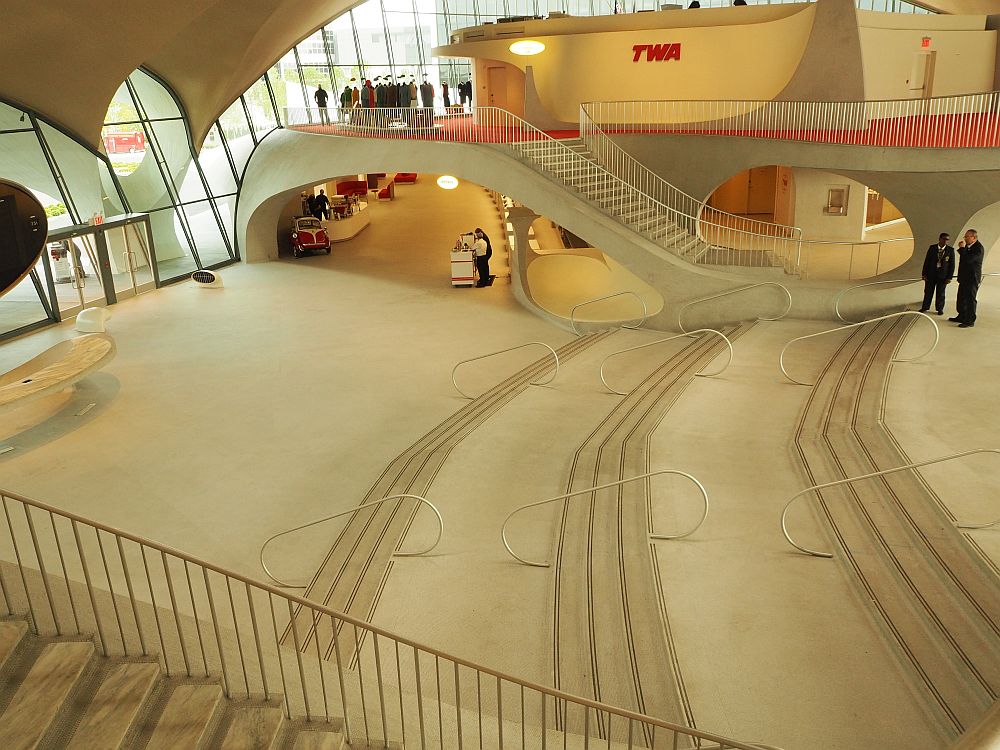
(937, 337)
(850, 480)
(253, 670)
(782, 287)
(840, 296)
(699, 485)
(645, 310)
(836, 304)
(504, 351)
(671, 338)
(957, 121)
(493, 125)
(348, 512)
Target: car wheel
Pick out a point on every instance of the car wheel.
(296, 252)
(328, 249)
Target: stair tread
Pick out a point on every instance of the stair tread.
(115, 706)
(318, 741)
(252, 728)
(41, 695)
(186, 719)
(11, 633)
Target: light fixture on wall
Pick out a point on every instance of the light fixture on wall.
(447, 182)
(527, 47)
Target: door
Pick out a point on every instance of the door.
(761, 190)
(128, 248)
(496, 85)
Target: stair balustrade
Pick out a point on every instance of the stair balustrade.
(73, 576)
(552, 377)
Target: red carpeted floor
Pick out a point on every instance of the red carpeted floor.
(941, 131)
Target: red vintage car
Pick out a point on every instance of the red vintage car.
(117, 143)
(308, 236)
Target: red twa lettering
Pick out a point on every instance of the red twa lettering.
(656, 52)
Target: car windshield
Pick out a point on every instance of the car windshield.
(309, 224)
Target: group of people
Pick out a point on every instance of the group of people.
(939, 270)
(317, 206)
(384, 92)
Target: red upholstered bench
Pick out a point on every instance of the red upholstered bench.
(406, 177)
(352, 187)
(388, 192)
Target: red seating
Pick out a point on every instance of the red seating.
(352, 187)
(388, 192)
(407, 177)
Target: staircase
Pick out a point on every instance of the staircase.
(575, 166)
(61, 693)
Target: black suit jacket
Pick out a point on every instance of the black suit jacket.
(931, 269)
(970, 269)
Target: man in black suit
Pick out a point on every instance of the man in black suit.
(970, 275)
(938, 271)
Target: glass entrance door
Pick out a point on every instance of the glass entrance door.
(128, 252)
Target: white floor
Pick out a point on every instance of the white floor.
(231, 414)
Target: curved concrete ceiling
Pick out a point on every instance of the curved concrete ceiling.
(962, 7)
(66, 60)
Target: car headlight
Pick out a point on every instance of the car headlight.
(295, 235)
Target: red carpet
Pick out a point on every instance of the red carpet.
(935, 131)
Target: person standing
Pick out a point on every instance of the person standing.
(322, 206)
(937, 273)
(321, 98)
(480, 250)
(970, 275)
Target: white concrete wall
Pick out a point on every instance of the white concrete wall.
(811, 194)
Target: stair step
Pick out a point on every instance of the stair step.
(186, 720)
(11, 634)
(318, 741)
(252, 728)
(40, 696)
(115, 706)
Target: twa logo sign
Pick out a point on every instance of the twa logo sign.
(656, 52)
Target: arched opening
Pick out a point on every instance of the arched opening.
(849, 230)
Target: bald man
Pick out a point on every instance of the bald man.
(970, 275)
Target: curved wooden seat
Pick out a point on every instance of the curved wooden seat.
(55, 369)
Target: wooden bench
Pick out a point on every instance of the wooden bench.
(55, 369)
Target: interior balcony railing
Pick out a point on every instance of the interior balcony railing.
(74, 577)
(962, 121)
(620, 187)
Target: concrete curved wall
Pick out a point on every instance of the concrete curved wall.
(288, 161)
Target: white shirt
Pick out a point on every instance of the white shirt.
(479, 247)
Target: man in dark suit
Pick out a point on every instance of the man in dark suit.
(970, 275)
(938, 271)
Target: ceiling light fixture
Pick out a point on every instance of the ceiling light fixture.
(527, 47)
(447, 182)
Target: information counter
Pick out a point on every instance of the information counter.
(462, 268)
(348, 227)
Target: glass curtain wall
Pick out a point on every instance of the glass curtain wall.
(73, 183)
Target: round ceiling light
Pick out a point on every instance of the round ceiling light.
(447, 182)
(527, 47)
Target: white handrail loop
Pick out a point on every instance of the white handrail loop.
(589, 490)
(843, 292)
(782, 287)
(645, 310)
(937, 337)
(555, 372)
(671, 338)
(851, 480)
(398, 553)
